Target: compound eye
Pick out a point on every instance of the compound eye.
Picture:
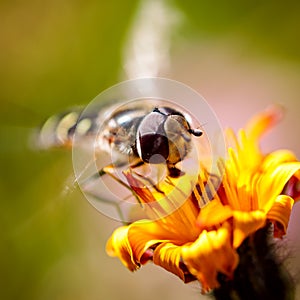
(153, 148)
(151, 141)
(168, 111)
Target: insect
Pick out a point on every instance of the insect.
(148, 135)
(137, 134)
(133, 135)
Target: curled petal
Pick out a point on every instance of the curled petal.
(292, 188)
(118, 245)
(210, 254)
(134, 244)
(244, 223)
(276, 158)
(273, 181)
(130, 243)
(280, 212)
(144, 235)
(168, 256)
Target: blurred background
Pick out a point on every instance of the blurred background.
(240, 55)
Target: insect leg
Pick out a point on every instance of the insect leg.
(109, 170)
(150, 181)
(115, 204)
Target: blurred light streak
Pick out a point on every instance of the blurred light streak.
(147, 51)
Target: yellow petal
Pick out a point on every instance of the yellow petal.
(168, 256)
(172, 206)
(213, 214)
(277, 158)
(210, 254)
(143, 235)
(244, 223)
(118, 245)
(249, 154)
(280, 212)
(131, 243)
(272, 183)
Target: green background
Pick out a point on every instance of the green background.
(241, 55)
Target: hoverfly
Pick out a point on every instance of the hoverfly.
(149, 136)
(143, 133)
(136, 135)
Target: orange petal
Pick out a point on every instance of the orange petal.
(263, 121)
(210, 254)
(213, 214)
(168, 256)
(171, 199)
(272, 183)
(280, 212)
(118, 245)
(244, 223)
(131, 243)
(143, 235)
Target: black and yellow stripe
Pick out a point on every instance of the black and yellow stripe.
(58, 131)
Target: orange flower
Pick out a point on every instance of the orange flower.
(198, 243)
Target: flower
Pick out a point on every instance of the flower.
(200, 243)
